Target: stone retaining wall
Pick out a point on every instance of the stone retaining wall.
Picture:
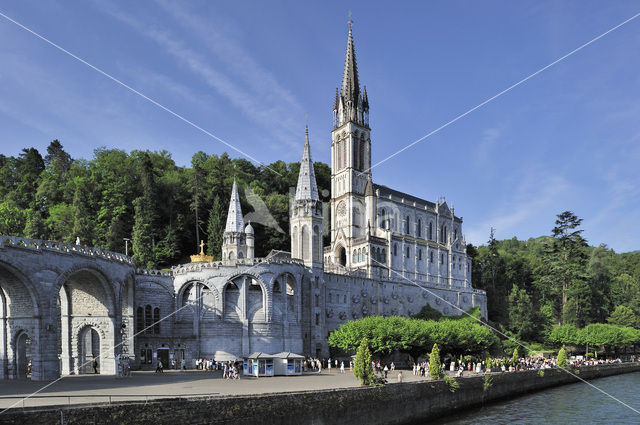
(391, 404)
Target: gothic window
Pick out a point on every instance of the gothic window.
(231, 255)
(139, 319)
(356, 160)
(441, 258)
(317, 319)
(407, 226)
(317, 300)
(419, 254)
(360, 258)
(156, 320)
(344, 153)
(430, 231)
(384, 255)
(431, 257)
(455, 234)
(395, 222)
(344, 299)
(355, 256)
(395, 250)
(419, 228)
(339, 149)
(148, 319)
(408, 252)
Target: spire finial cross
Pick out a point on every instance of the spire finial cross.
(350, 21)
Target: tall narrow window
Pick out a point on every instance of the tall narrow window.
(431, 257)
(317, 300)
(430, 231)
(356, 159)
(408, 252)
(419, 228)
(395, 250)
(139, 319)
(148, 320)
(363, 160)
(407, 226)
(156, 320)
(420, 254)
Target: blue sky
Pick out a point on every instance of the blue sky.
(248, 72)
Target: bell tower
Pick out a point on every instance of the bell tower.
(350, 154)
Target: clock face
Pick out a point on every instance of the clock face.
(341, 210)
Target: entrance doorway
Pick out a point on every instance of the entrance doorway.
(342, 256)
(163, 356)
(23, 356)
(89, 350)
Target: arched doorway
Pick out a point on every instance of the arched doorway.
(23, 356)
(88, 350)
(341, 256)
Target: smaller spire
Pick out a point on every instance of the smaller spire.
(307, 187)
(368, 190)
(336, 101)
(235, 223)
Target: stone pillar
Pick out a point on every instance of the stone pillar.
(246, 345)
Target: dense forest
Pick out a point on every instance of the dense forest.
(166, 209)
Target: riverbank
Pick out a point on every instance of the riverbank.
(391, 404)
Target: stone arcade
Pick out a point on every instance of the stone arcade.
(63, 305)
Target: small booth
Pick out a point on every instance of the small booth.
(258, 364)
(288, 363)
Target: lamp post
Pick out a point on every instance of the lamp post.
(126, 246)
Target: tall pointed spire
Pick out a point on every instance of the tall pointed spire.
(235, 223)
(350, 83)
(307, 188)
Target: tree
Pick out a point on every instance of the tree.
(82, 223)
(624, 316)
(523, 318)
(515, 358)
(428, 313)
(363, 369)
(215, 229)
(12, 219)
(562, 357)
(435, 366)
(144, 229)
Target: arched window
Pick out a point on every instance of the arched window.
(455, 234)
(395, 249)
(431, 257)
(420, 254)
(156, 320)
(356, 151)
(344, 299)
(384, 255)
(430, 230)
(419, 228)
(317, 300)
(395, 222)
(382, 223)
(407, 226)
(276, 287)
(360, 258)
(408, 252)
(339, 149)
(139, 319)
(231, 255)
(441, 258)
(354, 256)
(148, 320)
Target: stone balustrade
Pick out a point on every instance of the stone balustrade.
(61, 247)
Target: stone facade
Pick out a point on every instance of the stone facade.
(390, 254)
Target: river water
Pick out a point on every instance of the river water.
(569, 404)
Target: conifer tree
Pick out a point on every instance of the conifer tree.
(82, 223)
(435, 366)
(363, 369)
(562, 357)
(215, 229)
(144, 230)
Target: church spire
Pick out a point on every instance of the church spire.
(307, 188)
(235, 223)
(350, 83)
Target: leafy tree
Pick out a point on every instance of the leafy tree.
(428, 313)
(12, 219)
(144, 230)
(562, 357)
(362, 368)
(624, 316)
(435, 367)
(523, 319)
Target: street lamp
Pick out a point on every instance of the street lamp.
(126, 246)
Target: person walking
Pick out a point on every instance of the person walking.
(95, 365)
(386, 371)
(159, 366)
(341, 367)
(400, 377)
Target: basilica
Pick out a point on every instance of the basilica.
(390, 253)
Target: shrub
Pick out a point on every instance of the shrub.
(452, 383)
(487, 383)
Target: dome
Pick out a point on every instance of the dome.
(249, 229)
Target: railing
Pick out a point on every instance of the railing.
(61, 247)
(32, 401)
(154, 272)
(196, 267)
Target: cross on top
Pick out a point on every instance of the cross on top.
(201, 247)
(350, 21)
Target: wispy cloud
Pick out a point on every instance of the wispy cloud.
(538, 192)
(242, 82)
(490, 138)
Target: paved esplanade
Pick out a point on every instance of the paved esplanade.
(95, 389)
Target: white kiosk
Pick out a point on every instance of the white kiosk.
(258, 364)
(286, 363)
